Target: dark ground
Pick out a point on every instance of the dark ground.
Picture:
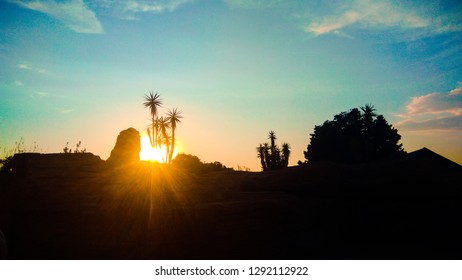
(397, 209)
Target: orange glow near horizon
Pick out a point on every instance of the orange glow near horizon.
(148, 153)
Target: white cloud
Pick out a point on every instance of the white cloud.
(254, 4)
(456, 91)
(337, 17)
(41, 94)
(129, 9)
(376, 14)
(73, 13)
(38, 95)
(24, 66)
(66, 111)
(18, 83)
(434, 111)
(154, 6)
(333, 24)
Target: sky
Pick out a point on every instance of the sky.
(76, 70)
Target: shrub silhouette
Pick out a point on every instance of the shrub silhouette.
(187, 162)
(353, 137)
(193, 164)
(7, 155)
(77, 149)
(271, 156)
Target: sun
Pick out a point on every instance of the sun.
(148, 153)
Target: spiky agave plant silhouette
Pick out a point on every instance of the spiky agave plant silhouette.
(162, 130)
(271, 156)
(285, 154)
(173, 117)
(164, 136)
(153, 102)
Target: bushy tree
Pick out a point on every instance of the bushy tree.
(188, 162)
(193, 164)
(358, 135)
(271, 156)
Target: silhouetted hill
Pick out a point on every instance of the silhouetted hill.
(394, 209)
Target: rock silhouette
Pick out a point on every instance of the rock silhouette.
(127, 148)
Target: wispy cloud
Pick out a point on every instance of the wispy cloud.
(433, 111)
(40, 94)
(130, 9)
(74, 14)
(456, 91)
(154, 6)
(66, 111)
(23, 66)
(18, 83)
(28, 67)
(368, 14)
(255, 4)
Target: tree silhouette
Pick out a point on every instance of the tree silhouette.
(368, 115)
(174, 117)
(261, 153)
(162, 130)
(271, 156)
(193, 164)
(354, 137)
(163, 138)
(285, 154)
(274, 154)
(153, 101)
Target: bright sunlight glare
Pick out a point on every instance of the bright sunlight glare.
(149, 153)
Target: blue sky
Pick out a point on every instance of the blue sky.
(77, 71)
